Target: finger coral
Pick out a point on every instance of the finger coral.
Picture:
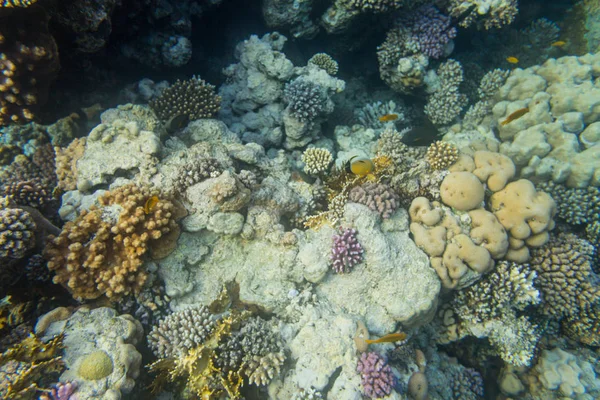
(102, 250)
(193, 97)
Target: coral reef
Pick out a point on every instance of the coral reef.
(316, 161)
(488, 13)
(101, 251)
(193, 98)
(325, 62)
(446, 103)
(377, 377)
(304, 98)
(441, 155)
(346, 251)
(378, 197)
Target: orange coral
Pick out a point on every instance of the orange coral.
(101, 252)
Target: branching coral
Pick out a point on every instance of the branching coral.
(441, 155)
(377, 377)
(28, 63)
(493, 13)
(101, 252)
(197, 171)
(305, 99)
(564, 268)
(316, 161)
(346, 251)
(325, 62)
(446, 103)
(66, 163)
(193, 97)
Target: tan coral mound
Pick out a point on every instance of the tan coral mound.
(462, 191)
(527, 216)
(101, 252)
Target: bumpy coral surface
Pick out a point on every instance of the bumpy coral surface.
(496, 13)
(102, 251)
(377, 196)
(377, 377)
(193, 97)
(346, 251)
(441, 155)
(17, 233)
(446, 103)
(316, 161)
(304, 99)
(326, 62)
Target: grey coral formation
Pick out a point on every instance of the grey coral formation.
(378, 197)
(565, 275)
(441, 155)
(316, 161)
(193, 97)
(305, 99)
(181, 331)
(325, 62)
(574, 205)
(369, 114)
(446, 103)
(17, 232)
(490, 307)
(196, 171)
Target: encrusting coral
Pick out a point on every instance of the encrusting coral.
(102, 250)
(193, 97)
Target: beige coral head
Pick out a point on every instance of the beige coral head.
(462, 191)
(494, 168)
(441, 155)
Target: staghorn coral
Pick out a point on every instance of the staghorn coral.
(305, 99)
(488, 13)
(441, 155)
(446, 103)
(564, 269)
(325, 62)
(193, 97)
(102, 250)
(346, 251)
(377, 378)
(316, 161)
(179, 332)
(28, 63)
(378, 197)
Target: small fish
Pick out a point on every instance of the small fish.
(150, 204)
(515, 115)
(512, 60)
(559, 43)
(176, 123)
(390, 338)
(388, 117)
(360, 166)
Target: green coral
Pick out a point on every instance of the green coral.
(95, 366)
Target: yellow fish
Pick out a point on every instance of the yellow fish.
(390, 338)
(512, 60)
(515, 115)
(150, 204)
(388, 117)
(360, 166)
(559, 43)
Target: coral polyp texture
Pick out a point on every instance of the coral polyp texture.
(377, 196)
(346, 251)
(17, 232)
(305, 99)
(376, 375)
(446, 103)
(441, 155)
(488, 14)
(316, 161)
(102, 250)
(325, 62)
(193, 98)
(28, 64)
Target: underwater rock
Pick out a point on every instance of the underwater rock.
(99, 352)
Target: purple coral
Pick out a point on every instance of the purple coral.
(429, 29)
(346, 252)
(61, 391)
(376, 375)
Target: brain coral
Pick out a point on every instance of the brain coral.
(101, 251)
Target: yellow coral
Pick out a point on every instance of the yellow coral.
(96, 365)
(101, 251)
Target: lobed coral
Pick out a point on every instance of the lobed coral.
(376, 375)
(346, 251)
(441, 155)
(325, 62)
(193, 97)
(28, 63)
(102, 250)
